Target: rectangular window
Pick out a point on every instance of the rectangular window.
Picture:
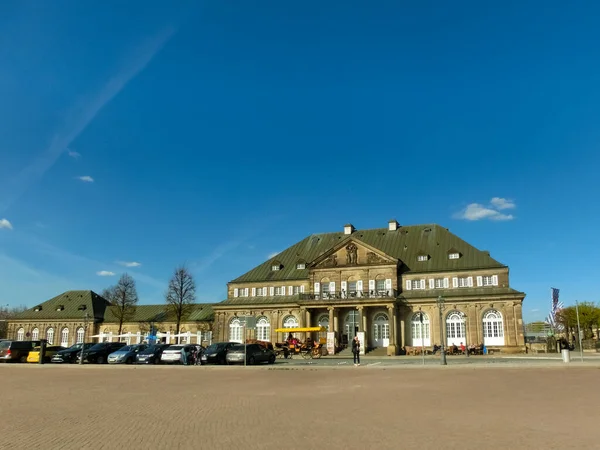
(352, 288)
(325, 289)
(416, 284)
(453, 255)
(463, 282)
(380, 285)
(279, 290)
(439, 283)
(488, 280)
(296, 290)
(422, 258)
(259, 292)
(300, 266)
(275, 267)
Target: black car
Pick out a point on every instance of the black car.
(98, 354)
(151, 355)
(215, 353)
(11, 351)
(69, 355)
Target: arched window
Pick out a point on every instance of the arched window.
(35, 334)
(80, 335)
(323, 322)
(235, 330)
(381, 330)
(21, 334)
(290, 322)
(64, 337)
(455, 328)
(420, 330)
(493, 328)
(263, 329)
(50, 336)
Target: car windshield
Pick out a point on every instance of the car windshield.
(101, 346)
(75, 347)
(214, 348)
(127, 348)
(151, 349)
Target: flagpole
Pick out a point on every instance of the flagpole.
(579, 330)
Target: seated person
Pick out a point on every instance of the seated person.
(402, 350)
(463, 349)
(436, 348)
(454, 349)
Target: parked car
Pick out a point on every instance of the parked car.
(69, 355)
(254, 353)
(49, 352)
(98, 354)
(172, 354)
(215, 353)
(12, 351)
(151, 354)
(126, 355)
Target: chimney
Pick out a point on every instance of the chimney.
(393, 225)
(348, 228)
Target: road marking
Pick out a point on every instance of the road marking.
(374, 364)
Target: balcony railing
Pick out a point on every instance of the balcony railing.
(374, 293)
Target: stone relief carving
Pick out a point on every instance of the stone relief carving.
(374, 258)
(352, 254)
(329, 262)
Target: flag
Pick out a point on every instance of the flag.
(556, 306)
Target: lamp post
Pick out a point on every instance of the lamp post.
(441, 306)
(464, 317)
(85, 323)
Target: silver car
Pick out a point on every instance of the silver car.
(126, 355)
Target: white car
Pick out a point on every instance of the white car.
(172, 354)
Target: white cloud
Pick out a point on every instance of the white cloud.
(4, 223)
(129, 263)
(86, 179)
(502, 203)
(273, 255)
(13, 188)
(74, 155)
(477, 211)
(105, 273)
(534, 310)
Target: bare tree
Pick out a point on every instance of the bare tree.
(181, 295)
(6, 315)
(124, 298)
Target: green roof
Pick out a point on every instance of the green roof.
(277, 300)
(484, 292)
(160, 313)
(66, 306)
(404, 244)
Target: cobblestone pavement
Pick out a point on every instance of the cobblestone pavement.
(292, 407)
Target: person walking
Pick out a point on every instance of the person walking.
(356, 350)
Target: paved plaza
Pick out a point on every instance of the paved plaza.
(290, 406)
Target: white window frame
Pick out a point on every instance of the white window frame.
(21, 334)
(279, 290)
(453, 255)
(80, 335)
(300, 266)
(50, 336)
(455, 328)
(493, 328)
(35, 334)
(235, 330)
(296, 290)
(275, 267)
(463, 282)
(487, 280)
(422, 258)
(64, 337)
(417, 284)
(416, 330)
(263, 329)
(439, 283)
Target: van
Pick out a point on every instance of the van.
(13, 351)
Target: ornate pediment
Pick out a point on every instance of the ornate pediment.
(352, 252)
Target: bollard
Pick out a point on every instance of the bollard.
(42, 351)
(566, 355)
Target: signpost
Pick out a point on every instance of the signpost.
(248, 322)
(579, 330)
(422, 340)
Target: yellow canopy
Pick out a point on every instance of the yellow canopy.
(300, 330)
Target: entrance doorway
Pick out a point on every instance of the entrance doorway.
(381, 330)
(350, 327)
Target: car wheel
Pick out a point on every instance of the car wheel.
(272, 360)
(23, 359)
(100, 360)
(129, 361)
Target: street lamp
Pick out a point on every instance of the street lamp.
(464, 317)
(441, 305)
(85, 323)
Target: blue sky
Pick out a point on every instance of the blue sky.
(217, 133)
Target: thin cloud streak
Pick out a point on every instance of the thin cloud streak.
(18, 185)
(86, 179)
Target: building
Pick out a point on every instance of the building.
(84, 316)
(380, 282)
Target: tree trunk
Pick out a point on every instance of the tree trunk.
(120, 328)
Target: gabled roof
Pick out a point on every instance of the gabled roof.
(404, 244)
(70, 301)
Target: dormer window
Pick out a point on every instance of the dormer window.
(300, 266)
(38, 308)
(453, 255)
(276, 265)
(422, 257)
(60, 307)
